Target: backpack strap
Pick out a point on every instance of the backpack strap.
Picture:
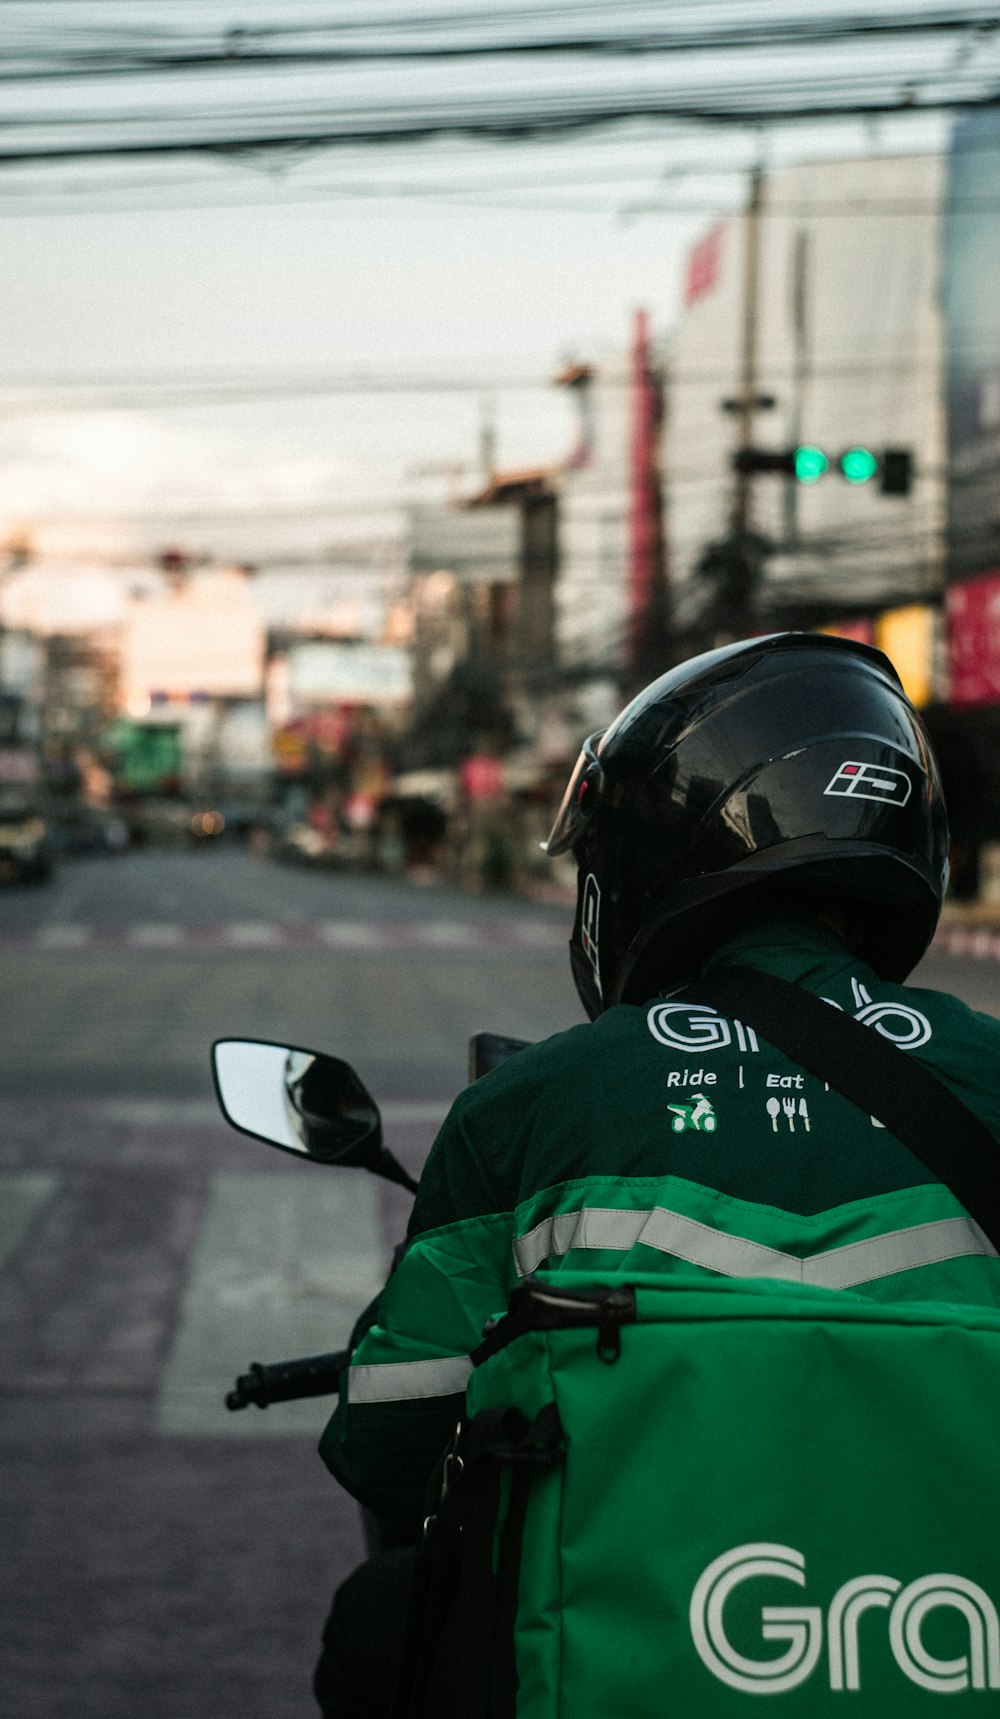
(459, 1652)
(866, 1067)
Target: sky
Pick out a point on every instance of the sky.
(495, 297)
(302, 282)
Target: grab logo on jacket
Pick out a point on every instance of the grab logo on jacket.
(805, 1630)
(697, 1027)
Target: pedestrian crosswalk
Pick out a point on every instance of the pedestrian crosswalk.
(282, 1268)
(23, 1196)
(497, 936)
(979, 942)
(491, 936)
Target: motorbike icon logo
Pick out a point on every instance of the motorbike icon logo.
(698, 1114)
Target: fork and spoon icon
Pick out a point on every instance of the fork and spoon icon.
(775, 1106)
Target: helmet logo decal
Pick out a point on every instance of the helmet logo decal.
(871, 782)
(590, 918)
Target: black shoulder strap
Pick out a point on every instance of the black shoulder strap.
(874, 1073)
(459, 1657)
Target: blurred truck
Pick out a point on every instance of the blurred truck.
(147, 757)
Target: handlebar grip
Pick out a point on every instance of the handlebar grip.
(286, 1381)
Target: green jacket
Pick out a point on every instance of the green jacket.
(661, 1138)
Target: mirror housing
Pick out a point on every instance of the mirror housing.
(302, 1101)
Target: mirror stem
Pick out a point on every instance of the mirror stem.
(389, 1167)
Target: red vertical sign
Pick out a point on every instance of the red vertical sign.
(972, 609)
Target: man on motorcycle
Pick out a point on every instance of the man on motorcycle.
(773, 804)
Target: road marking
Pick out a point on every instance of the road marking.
(154, 1112)
(195, 1112)
(22, 1197)
(447, 933)
(155, 936)
(350, 934)
(534, 934)
(481, 936)
(283, 1266)
(980, 944)
(398, 1113)
(62, 936)
(252, 934)
(496, 937)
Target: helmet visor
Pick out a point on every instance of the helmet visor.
(579, 800)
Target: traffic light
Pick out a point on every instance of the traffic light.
(807, 464)
(750, 460)
(858, 465)
(896, 471)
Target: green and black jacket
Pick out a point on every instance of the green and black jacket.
(661, 1138)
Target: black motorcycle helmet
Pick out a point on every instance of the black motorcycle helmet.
(784, 770)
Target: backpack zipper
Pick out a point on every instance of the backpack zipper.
(534, 1306)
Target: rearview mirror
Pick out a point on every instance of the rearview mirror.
(298, 1100)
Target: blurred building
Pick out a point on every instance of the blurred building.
(611, 587)
(483, 591)
(22, 689)
(192, 667)
(966, 722)
(812, 319)
(82, 684)
(591, 599)
(545, 593)
(854, 306)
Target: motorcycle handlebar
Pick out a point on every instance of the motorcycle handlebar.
(285, 1381)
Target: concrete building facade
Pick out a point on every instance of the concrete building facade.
(833, 329)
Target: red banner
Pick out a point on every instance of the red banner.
(972, 609)
(703, 264)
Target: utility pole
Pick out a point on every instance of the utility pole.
(647, 640)
(487, 440)
(747, 400)
(801, 287)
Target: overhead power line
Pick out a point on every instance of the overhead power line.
(237, 48)
(709, 70)
(195, 388)
(497, 127)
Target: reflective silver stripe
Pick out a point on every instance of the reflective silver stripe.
(897, 1250)
(402, 1381)
(597, 1227)
(669, 1232)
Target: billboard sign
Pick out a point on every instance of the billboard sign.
(203, 638)
(334, 671)
(906, 635)
(972, 611)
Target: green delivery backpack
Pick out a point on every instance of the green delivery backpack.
(714, 1492)
(672, 1496)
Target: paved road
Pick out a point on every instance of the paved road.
(124, 971)
(163, 1560)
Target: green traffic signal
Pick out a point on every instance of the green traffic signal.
(859, 465)
(810, 463)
